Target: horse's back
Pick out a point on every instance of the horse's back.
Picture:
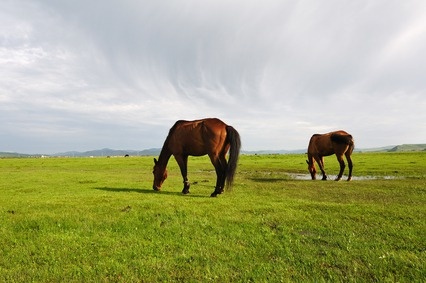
(210, 123)
(330, 135)
(198, 137)
(320, 144)
(340, 133)
(325, 144)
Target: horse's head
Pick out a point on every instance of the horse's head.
(311, 168)
(160, 174)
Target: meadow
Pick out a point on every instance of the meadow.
(98, 220)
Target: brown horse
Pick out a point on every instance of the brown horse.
(339, 143)
(196, 138)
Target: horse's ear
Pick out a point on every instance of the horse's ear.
(155, 161)
(307, 162)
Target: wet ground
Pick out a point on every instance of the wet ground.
(332, 177)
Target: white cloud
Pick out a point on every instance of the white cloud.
(279, 71)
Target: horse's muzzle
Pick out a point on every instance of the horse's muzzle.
(155, 188)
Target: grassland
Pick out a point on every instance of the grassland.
(98, 220)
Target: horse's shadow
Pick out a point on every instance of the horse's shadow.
(145, 191)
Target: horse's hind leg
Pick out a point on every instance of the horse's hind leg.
(350, 165)
(342, 166)
(220, 165)
(220, 181)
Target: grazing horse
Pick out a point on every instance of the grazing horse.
(339, 143)
(208, 136)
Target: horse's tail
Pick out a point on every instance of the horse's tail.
(234, 152)
(351, 144)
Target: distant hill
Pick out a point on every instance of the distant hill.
(375, 149)
(408, 147)
(156, 151)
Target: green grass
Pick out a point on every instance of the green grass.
(98, 219)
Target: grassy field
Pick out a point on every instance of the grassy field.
(98, 220)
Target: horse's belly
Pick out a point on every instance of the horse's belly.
(195, 152)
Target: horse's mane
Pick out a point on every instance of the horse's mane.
(175, 125)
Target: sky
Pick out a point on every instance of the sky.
(83, 75)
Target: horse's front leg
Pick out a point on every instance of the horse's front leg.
(182, 161)
(320, 161)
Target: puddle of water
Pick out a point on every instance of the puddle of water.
(297, 176)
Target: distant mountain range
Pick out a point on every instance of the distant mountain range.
(156, 151)
(111, 152)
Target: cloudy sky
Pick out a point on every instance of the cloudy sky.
(82, 75)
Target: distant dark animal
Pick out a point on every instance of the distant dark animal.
(208, 136)
(339, 143)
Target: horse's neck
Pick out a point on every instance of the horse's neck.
(165, 154)
(311, 159)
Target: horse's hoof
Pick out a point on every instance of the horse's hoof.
(213, 195)
(185, 192)
(350, 178)
(218, 190)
